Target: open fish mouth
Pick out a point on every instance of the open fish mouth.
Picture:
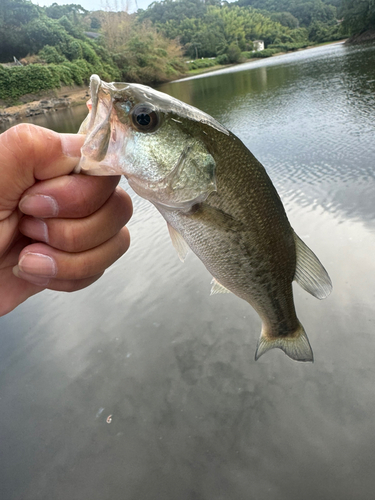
(105, 134)
(108, 125)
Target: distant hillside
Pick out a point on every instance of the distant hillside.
(149, 46)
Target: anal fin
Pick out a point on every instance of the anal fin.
(218, 287)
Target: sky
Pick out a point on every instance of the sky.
(100, 4)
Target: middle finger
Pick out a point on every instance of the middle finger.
(78, 235)
(68, 196)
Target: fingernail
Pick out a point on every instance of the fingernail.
(71, 144)
(39, 205)
(38, 264)
(34, 228)
(35, 280)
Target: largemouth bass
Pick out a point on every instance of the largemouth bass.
(216, 197)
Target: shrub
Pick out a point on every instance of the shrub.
(51, 55)
(265, 53)
(285, 47)
(222, 59)
(201, 63)
(247, 55)
(72, 49)
(234, 53)
(20, 80)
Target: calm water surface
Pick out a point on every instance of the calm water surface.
(194, 417)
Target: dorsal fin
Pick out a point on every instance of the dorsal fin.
(178, 242)
(310, 274)
(218, 287)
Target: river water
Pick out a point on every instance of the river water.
(194, 417)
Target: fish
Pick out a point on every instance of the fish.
(215, 196)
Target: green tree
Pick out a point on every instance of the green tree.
(315, 10)
(359, 15)
(306, 11)
(95, 24)
(72, 11)
(321, 32)
(211, 34)
(176, 10)
(14, 15)
(286, 19)
(234, 53)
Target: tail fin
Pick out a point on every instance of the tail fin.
(296, 345)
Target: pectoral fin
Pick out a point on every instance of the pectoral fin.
(310, 274)
(178, 242)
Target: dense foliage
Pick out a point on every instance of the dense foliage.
(53, 44)
(149, 46)
(140, 51)
(305, 11)
(359, 15)
(213, 33)
(207, 29)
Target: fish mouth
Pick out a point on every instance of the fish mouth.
(105, 134)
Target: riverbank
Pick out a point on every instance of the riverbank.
(366, 36)
(43, 103)
(210, 69)
(69, 96)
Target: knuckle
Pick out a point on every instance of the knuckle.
(70, 238)
(27, 140)
(80, 269)
(125, 204)
(19, 142)
(118, 210)
(21, 134)
(124, 240)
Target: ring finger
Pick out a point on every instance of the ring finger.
(40, 263)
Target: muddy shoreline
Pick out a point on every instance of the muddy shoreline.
(43, 103)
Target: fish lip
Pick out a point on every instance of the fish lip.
(89, 163)
(95, 84)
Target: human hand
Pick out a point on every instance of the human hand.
(57, 231)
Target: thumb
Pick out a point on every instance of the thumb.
(29, 153)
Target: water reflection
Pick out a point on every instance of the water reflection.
(63, 120)
(308, 117)
(193, 416)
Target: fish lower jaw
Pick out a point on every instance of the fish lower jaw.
(90, 167)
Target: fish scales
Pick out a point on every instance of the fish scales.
(216, 197)
(230, 246)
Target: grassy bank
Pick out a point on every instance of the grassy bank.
(245, 59)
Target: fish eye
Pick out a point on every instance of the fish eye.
(145, 118)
